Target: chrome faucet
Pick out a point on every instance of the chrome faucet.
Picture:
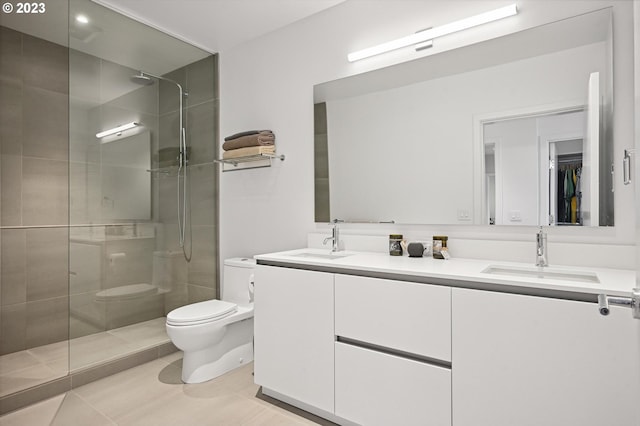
(541, 248)
(334, 238)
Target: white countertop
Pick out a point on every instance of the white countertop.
(613, 282)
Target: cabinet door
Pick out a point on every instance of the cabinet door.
(294, 334)
(405, 316)
(374, 388)
(522, 360)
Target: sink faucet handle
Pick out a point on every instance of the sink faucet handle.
(335, 236)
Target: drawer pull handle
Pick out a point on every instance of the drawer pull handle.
(633, 302)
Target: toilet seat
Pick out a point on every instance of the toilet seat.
(201, 312)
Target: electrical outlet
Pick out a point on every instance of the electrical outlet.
(515, 216)
(464, 215)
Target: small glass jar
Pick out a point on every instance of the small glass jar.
(439, 243)
(395, 244)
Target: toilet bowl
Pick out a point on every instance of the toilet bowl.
(216, 336)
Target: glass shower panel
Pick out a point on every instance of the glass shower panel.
(112, 236)
(128, 268)
(34, 199)
(91, 258)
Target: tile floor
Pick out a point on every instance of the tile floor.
(152, 394)
(24, 369)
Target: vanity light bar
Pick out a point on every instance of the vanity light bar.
(420, 37)
(118, 129)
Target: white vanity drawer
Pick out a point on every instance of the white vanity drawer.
(404, 316)
(374, 388)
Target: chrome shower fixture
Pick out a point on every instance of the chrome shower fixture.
(147, 79)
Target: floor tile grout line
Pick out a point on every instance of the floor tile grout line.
(97, 410)
(59, 407)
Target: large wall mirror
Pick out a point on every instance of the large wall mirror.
(510, 131)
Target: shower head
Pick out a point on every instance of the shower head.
(147, 79)
(143, 79)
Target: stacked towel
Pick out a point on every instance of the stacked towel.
(249, 150)
(249, 138)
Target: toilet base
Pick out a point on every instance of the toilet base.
(194, 372)
(235, 350)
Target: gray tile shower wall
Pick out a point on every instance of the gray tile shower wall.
(200, 118)
(34, 213)
(37, 202)
(34, 287)
(202, 130)
(201, 81)
(11, 57)
(45, 192)
(34, 136)
(45, 65)
(47, 260)
(45, 123)
(14, 266)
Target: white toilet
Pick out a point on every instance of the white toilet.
(216, 336)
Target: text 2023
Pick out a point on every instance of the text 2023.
(31, 7)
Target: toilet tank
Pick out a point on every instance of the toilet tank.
(238, 275)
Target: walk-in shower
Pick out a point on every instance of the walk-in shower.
(94, 251)
(183, 205)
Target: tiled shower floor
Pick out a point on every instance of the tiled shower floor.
(24, 369)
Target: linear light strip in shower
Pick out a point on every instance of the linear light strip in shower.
(117, 129)
(463, 24)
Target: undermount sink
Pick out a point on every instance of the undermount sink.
(543, 272)
(325, 256)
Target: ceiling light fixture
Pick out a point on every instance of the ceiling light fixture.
(82, 19)
(430, 34)
(117, 130)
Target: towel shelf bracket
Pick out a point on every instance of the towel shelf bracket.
(248, 162)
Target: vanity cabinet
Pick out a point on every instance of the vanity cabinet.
(399, 315)
(294, 340)
(378, 388)
(377, 351)
(392, 352)
(523, 360)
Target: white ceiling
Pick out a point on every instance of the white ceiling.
(218, 25)
(212, 25)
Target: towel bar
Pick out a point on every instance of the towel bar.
(263, 159)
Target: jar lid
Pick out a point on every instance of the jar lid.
(440, 237)
(395, 236)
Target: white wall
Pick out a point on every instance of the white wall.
(268, 83)
(517, 173)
